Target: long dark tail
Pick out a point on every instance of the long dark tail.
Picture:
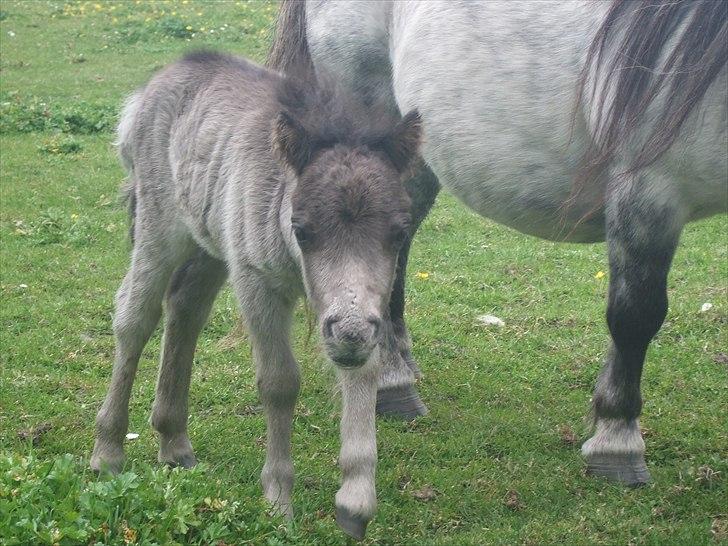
(640, 31)
(289, 53)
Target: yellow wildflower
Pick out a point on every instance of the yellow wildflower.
(600, 275)
(74, 216)
(424, 275)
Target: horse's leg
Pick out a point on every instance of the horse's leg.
(397, 395)
(138, 308)
(642, 233)
(356, 500)
(189, 300)
(268, 319)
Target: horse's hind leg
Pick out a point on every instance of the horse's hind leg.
(642, 234)
(138, 308)
(188, 302)
(396, 394)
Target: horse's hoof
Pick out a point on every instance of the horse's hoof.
(629, 470)
(354, 526)
(401, 402)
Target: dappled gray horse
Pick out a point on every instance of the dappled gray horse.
(285, 187)
(576, 121)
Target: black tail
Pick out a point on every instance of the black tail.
(289, 52)
(640, 31)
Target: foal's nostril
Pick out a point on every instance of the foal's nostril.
(329, 326)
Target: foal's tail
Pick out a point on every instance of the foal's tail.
(289, 53)
(123, 145)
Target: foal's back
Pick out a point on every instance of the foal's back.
(199, 123)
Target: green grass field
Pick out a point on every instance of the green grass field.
(495, 462)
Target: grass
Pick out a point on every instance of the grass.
(495, 462)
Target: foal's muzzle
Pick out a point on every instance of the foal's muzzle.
(350, 340)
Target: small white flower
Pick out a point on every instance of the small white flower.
(23, 286)
(132, 436)
(707, 306)
(11, 34)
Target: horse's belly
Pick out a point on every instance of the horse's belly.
(497, 104)
(530, 197)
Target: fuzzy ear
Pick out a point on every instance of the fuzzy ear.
(402, 145)
(291, 142)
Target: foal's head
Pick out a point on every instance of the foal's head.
(350, 216)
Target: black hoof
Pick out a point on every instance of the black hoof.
(629, 470)
(352, 525)
(400, 403)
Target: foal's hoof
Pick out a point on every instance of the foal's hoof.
(184, 461)
(401, 402)
(106, 468)
(106, 460)
(627, 469)
(354, 526)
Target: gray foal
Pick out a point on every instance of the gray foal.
(286, 187)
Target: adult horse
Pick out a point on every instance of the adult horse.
(577, 121)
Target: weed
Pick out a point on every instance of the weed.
(54, 226)
(26, 114)
(60, 144)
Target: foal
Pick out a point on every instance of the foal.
(286, 188)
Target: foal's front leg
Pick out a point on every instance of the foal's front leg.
(642, 235)
(356, 500)
(268, 318)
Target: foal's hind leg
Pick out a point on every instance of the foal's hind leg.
(642, 235)
(396, 394)
(189, 299)
(138, 308)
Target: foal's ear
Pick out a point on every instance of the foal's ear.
(402, 145)
(291, 142)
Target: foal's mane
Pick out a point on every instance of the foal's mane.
(675, 47)
(329, 114)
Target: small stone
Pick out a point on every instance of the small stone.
(132, 436)
(707, 306)
(490, 320)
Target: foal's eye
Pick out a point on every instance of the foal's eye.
(303, 235)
